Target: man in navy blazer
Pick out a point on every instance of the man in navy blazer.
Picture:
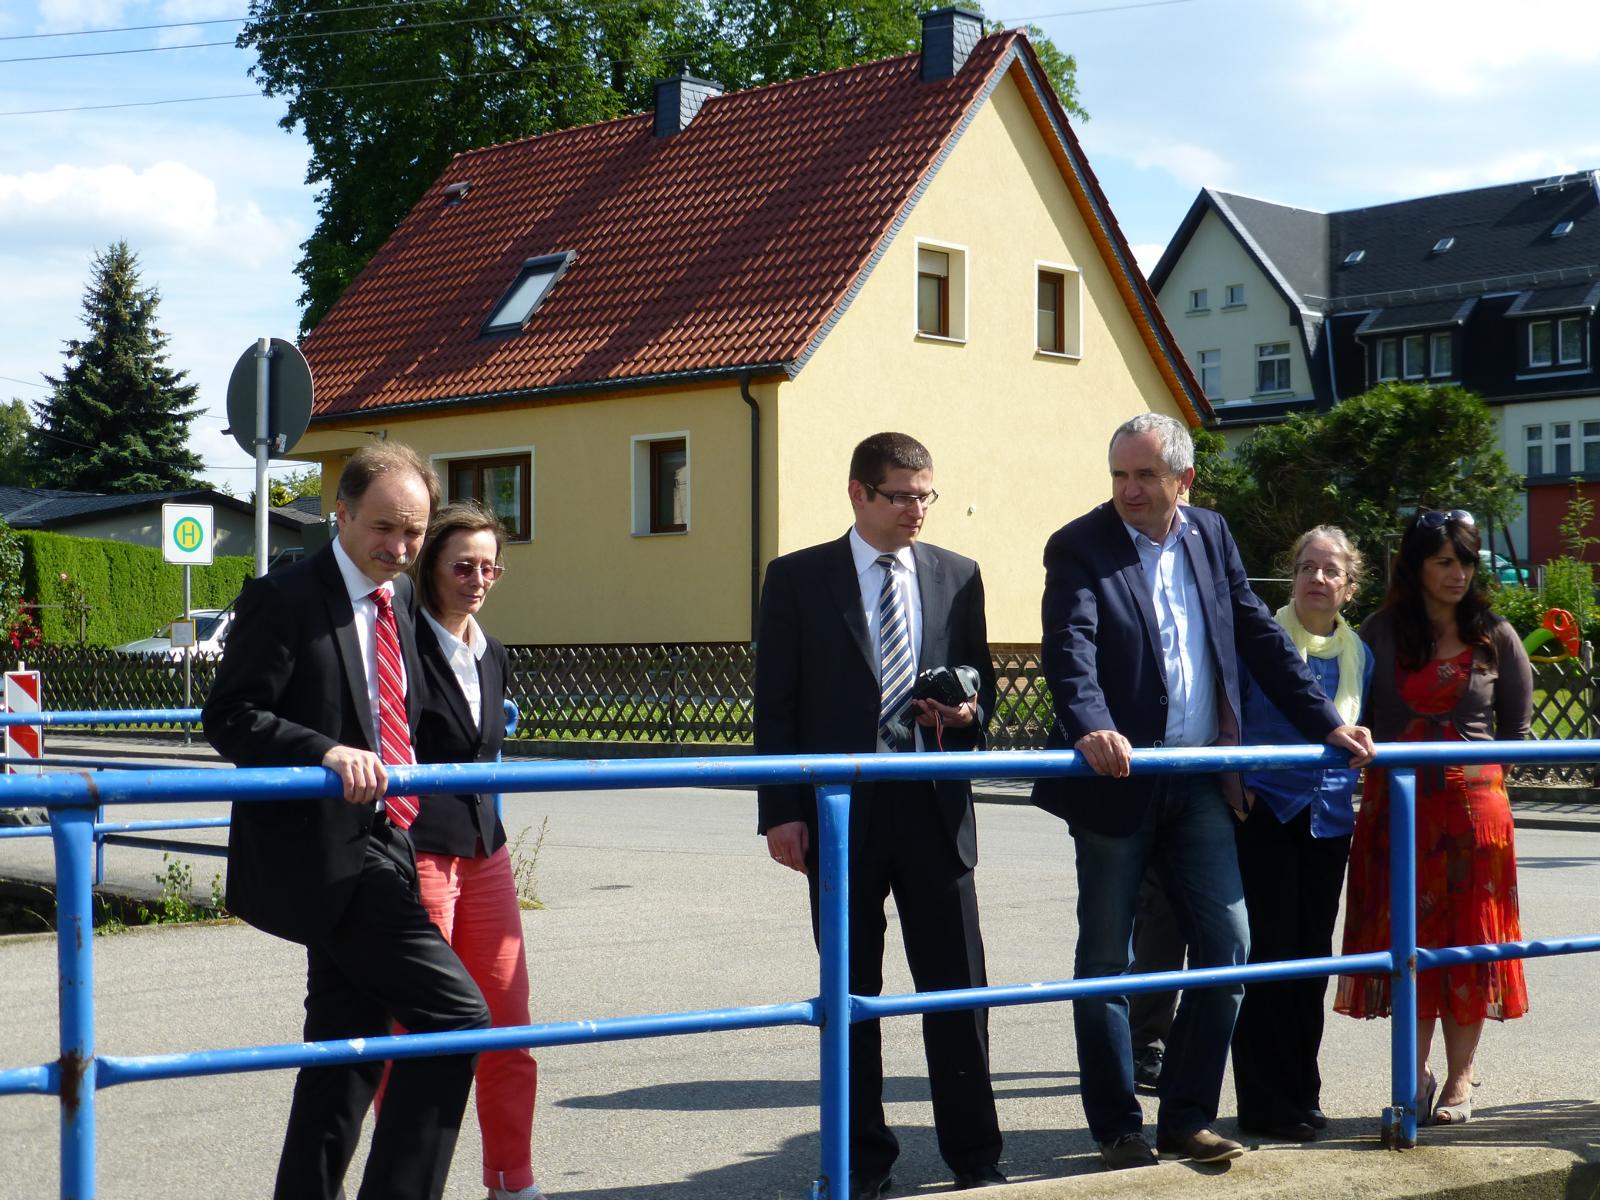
(1147, 615)
(819, 691)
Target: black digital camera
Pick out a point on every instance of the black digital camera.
(951, 686)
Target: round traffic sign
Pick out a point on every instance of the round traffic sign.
(288, 398)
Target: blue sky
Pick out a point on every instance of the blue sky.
(1326, 104)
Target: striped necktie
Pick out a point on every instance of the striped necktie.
(394, 735)
(896, 662)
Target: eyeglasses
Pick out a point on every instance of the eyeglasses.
(464, 570)
(1307, 570)
(905, 499)
(1438, 520)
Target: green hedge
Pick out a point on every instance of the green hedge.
(130, 591)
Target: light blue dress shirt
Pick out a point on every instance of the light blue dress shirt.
(1180, 621)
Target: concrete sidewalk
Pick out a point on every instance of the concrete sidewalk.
(664, 901)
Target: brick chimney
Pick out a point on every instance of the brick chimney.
(948, 36)
(678, 100)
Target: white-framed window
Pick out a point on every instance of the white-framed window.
(1199, 300)
(1533, 450)
(1591, 447)
(660, 471)
(1561, 448)
(1235, 296)
(500, 480)
(1441, 355)
(1558, 342)
(1414, 355)
(1272, 367)
(1388, 351)
(941, 295)
(1210, 371)
(1058, 309)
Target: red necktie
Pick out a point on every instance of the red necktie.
(394, 736)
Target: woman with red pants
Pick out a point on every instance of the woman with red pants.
(463, 866)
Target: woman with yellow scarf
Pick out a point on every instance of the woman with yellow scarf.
(1293, 845)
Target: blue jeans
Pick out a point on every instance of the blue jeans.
(1187, 835)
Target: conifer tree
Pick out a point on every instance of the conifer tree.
(118, 417)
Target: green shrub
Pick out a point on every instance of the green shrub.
(128, 589)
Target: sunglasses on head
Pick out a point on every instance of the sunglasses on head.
(1438, 520)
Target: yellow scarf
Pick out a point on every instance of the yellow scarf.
(1342, 644)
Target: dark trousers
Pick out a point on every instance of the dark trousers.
(383, 961)
(899, 845)
(1291, 887)
(1157, 946)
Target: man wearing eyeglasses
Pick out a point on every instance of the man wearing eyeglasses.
(845, 627)
(1147, 617)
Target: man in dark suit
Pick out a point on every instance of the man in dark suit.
(844, 628)
(1147, 616)
(300, 685)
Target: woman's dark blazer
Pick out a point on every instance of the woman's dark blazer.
(454, 824)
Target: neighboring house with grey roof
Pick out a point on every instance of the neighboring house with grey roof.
(136, 517)
(1281, 310)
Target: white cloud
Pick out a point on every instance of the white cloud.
(1449, 47)
(1419, 179)
(1189, 163)
(1148, 254)
(80, 14)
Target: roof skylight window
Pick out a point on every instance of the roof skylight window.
(1354, 257)
(1443, 244)
(1562, 229)
(533, 284)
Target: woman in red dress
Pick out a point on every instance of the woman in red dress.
(1446, 669)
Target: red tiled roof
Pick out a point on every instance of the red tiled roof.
(728, 244)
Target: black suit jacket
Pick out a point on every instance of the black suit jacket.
(291, 686)
(1101, 655)
(817, 680)
(454, 823)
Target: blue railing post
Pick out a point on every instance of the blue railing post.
(833, 903)
(99, 846)
(72, 830)
(1400, 1121)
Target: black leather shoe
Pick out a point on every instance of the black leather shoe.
(1129, 1150)
(987, 1175)
(1317, 1119)
(870, 1187)
(1147, 1068)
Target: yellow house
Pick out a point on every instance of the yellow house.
(652, 343)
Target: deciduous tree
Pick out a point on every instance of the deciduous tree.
(118, 418)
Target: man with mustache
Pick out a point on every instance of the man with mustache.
(321, 668)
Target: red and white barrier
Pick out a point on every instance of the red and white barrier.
(24, 744)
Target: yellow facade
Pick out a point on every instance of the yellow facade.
(1018, 436)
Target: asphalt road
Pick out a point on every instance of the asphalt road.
(661, 901)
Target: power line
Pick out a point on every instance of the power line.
(25, 382)
(321, 12)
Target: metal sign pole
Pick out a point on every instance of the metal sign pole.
(262, 440)
(188, 651)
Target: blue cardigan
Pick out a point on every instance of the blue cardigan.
(1287, 792)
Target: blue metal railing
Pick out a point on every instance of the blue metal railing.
(72, 799)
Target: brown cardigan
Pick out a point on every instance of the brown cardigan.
(1496, 705)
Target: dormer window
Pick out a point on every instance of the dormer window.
(522, 300)
(1556, 343)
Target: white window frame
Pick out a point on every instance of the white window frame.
(1532, 443)
(1589, 432)
(1199, 300)
(1417, 369)
(1562, 325)
(1446, 339)
(1233, 296)
(1214, 368)
(956, 293)
(441, 462)
(1071, 309)
(639, 475)
(1380, 373)
(1550, 358)
(1287, 358)
(1558, 442)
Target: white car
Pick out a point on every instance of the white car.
(211, 627)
